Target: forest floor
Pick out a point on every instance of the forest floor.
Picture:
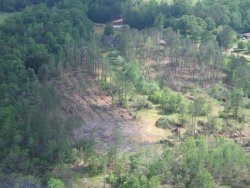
(107, 123)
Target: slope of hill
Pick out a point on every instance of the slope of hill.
(83, 104)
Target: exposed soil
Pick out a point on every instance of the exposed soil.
(113, 125)
(108, 123)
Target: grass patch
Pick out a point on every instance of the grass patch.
(153, 113)
(99, 28)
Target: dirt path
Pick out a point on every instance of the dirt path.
(109, 124)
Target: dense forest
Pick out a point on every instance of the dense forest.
(85, 83)
(35, 46)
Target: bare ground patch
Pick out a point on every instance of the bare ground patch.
(103, 120)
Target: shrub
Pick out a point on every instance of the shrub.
(134, 180)
(55, 183)
(156, 97)
(199, 107)
(108, 30)
(94, 165)
(246, 102)
(86, 145)
(150, 88)
(167, 123)
(141, 103)
(171, 102)
(111, 179)
(216, 91)
(241, 45)
(156, 167)
(184, 119)
(154, 182)
(203, 179)
(222, 114)
(105, 86)
(135, 161)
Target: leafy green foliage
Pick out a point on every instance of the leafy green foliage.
(55, 183)
(225, 37)
(159, 21)
(195, 163)
(104, 11)
(199, 107)
(237, 72)
(141, 103)
(134, 181)
(41, 42)
(241, 45)
(171, 102)
(191, 26)
(34, 135)
(16, 5)
(167, 123)
(108, 30)
(236, 100)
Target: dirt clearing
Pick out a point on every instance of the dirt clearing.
(106, 122)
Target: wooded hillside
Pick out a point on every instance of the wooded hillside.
(124, 93)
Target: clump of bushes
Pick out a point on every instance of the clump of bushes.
(222, 114)
(168, 123)
(86, 146)
(105, 86)
(141, 103)
(246, 103)
(95, 165)
(55, 183)
(241, 45)
(200, 107)
(217, 91)
(153, 91)
(171, 102)
(133, 180)
(156, 97)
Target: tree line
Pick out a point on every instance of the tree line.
(204, 19)
(36, 45)
(141, 14)
(194, 163)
